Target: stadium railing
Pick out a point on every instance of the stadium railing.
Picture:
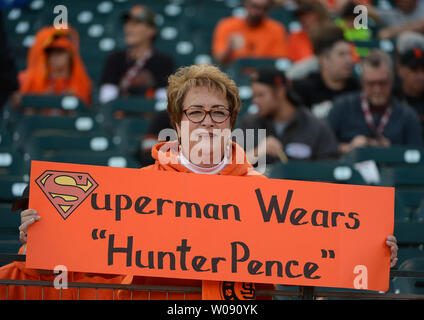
(302, 292)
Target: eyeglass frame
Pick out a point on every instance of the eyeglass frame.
(208, 112)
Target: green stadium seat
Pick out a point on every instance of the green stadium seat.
(402, 212)
(67, 103)
(406, 252)
(130, 107)
(9, 221)
(11, 187)
(38, 125)
(316, 171)
(12, 163)
(101, 158)
(40, 147)
(6, 141)
(419, 214)
(9, 233)
(129, 133)
(410, 285)
(403, 177)
(411, 198)
(409, 232)
(133, 105)
(388, 156)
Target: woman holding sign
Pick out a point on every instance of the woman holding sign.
(203, 104)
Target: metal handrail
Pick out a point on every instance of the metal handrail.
(303, 292)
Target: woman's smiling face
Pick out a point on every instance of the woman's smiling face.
(203, 143)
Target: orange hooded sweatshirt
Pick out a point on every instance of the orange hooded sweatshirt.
(211, 290)
(35, 79)
(18, 271)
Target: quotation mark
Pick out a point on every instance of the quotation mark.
(324, 254)
(102, 234)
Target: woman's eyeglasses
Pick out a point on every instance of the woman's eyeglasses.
(218, 114)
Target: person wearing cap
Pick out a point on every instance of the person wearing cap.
(291, 130)
(54, 66)
(373, 116)
(410, 71)
(253, 36)
(139, 69)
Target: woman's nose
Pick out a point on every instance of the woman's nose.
(207, 121)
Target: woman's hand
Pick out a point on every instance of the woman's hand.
(28, 217)
(392, 243)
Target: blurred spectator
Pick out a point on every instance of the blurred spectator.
(254, 36)
(406, 15)
(335, 74)
(335, 7)
(54, 66)
(9, 87)
(140, 69)
(311, 14)
(410, 69)
(374, 116)
(291, 130)
(346, 21)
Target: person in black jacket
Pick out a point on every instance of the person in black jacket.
(335, 75)
(292, 132)
(373, 116)
(139, 69)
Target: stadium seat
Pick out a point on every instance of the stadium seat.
(409, 232)
(68, 103)
(40, 147)
(38, 125)
(316, 171)
(388, 156)
(130, 107)
(406, 252)
(410, 198)
(9, 222)
(12, 163)
(101, 158)
(11, 188)
(402, 212)
(403, 177)
(410, 285)
(419, 214)
(129, 133)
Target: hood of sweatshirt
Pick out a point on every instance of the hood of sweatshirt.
(166, 155)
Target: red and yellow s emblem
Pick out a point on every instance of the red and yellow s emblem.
(66, 190)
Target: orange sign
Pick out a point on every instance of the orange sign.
(179, 225)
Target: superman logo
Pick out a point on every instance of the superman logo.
(66, 190)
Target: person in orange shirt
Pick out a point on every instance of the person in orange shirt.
(311, 15)
(254, 36)
(54, 66)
